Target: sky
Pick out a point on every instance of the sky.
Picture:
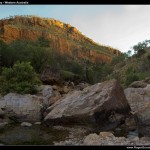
(118, 26)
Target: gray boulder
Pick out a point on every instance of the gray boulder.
(25, 107)
(139, 100)
(103, 104)
(138, 97)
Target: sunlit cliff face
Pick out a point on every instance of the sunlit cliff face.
(63, 37)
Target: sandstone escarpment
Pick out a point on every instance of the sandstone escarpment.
(63, 37)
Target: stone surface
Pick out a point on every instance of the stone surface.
(139, 100)
(106, 135)
(92, 139)
(138, 84)
(94, 105)
(23, 107)
(26, 124)
(3, 124)
(138, 97)
(47, 91)
(37, 123)
(81, 86)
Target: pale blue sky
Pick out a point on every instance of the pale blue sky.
(119, 26)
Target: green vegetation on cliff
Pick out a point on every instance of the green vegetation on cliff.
(63, 37)
(42, 57)
(133, 68)
(58, 51)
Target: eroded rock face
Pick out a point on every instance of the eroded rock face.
(26, 107)
(100, 104)
(32, 27)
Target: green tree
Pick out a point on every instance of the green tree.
(21, 78)
(139, 49)
(131, 78)
(118, 59)
(129, 53)
(43, 42)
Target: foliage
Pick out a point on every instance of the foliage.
(66, 75)
(21, 78)
(41, 56)
(139, 48)
(131, 78)
(43, 42)
(118, 59)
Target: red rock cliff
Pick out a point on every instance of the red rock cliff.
(64, 38)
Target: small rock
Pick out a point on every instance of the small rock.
(47, 91)
(106, 135)
(65, 90)
(145, 138)
(72, 84)
(122, 139)
(54, 87)
(3, 124)
(138, 84)
(26, 124)
(92, 139)
(135, 139)
(81, 86)
(37, 123)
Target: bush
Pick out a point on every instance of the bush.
(67, 75)
(21, 78)
(131, 78)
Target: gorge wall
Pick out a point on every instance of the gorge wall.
(63, 37)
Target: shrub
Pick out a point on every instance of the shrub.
(67, 75)
(21, 78)
(131, 78)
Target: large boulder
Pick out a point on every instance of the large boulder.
(103, 104)
(139, 100)
(138, 97)
(26, 107)
(143, 119)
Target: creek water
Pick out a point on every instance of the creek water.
(14, 134)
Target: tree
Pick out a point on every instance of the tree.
(43, 42)
(139, 49)
(21, 78)
(129, 53)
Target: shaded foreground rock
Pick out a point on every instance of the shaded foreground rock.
(25, 107)
(103, 104)
(138, 97)
(139, 100)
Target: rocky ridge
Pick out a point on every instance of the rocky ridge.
(63, 37)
